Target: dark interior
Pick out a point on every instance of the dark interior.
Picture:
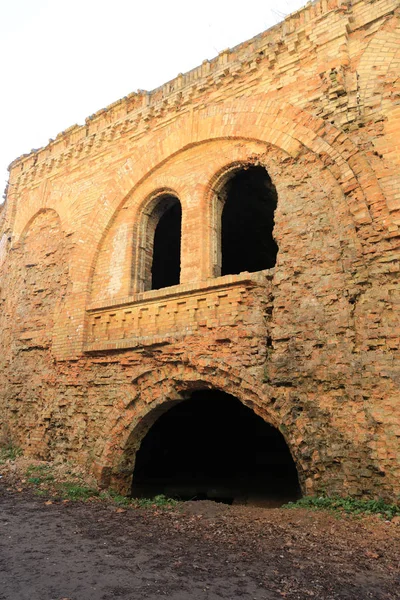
(213, 447)
(248, 222)
(166, 266)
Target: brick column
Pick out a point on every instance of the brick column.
(195, 242)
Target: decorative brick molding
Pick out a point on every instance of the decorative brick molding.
(160, 316)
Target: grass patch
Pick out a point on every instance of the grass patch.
(347, 505)
(73, 491)
(39, 474)
(110, 496)
(159, 501)
(38, 469)
(47, 481)
(9, 452)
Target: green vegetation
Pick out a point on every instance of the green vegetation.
(73, 491)
(347, 505)
(9, 452)
(45, 483)
(159, 501)
(72, 487)
(38, 469)
(39, 474)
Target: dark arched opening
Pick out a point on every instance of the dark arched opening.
(166, 263)
(213, 447)
(247, 242)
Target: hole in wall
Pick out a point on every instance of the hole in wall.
(247, 241)
(212, 447)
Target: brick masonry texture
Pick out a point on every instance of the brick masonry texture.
(90, 359)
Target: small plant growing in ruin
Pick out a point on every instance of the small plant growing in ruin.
(347, 505)
(9, 452)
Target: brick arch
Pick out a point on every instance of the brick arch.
(128, 269)
(149, 214)
(43, 258)
(31, 206)
(156, 392)
(282, 125)
(135, 204)
(51, 212)
(383, 52)
(215, 199)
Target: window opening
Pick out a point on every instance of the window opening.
(166, 260)
(247, 222)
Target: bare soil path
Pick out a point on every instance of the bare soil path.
(199, 550)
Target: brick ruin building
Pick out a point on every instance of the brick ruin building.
(199, 287)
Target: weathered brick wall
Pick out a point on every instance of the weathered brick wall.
(89, 359)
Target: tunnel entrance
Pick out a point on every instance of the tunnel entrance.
(166, 265)
(213, 447)
(247, 242)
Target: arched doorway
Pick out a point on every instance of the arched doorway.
(213, 447)
(249, 201)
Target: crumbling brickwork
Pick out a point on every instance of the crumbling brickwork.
(91, 356)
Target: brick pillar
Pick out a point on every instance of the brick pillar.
(195, 244)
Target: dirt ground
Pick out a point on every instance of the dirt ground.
(198, 550)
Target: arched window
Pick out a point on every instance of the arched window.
(166, 264)
(160, 246)
(247, 202)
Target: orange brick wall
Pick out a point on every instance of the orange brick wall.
(89, 359)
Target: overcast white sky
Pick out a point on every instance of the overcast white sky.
(62, 60)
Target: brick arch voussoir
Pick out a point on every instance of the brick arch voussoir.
(154, 392)
(283, 125)
(349, 165)
(383, 51)
(33, 215)
(352, 169)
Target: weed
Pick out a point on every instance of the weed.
(39, 474)
(9, 452)
(73, 491)
(159, 501)
(73, 488)
(347, 505)
(110, 495)
(40, 469)
(35, 480)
